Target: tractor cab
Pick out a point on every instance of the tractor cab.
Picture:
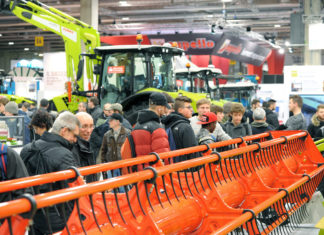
(127, 70)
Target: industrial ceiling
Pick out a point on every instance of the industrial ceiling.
(266, 17)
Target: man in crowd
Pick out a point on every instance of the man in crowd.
(55, 150)
(3, 102)
(297, 121)
(259, 125)
(82, 107)
(94, 108)
(316, 127)
(208, 125)
(203, 106)
(181, 130)
(82, 151)
(112, 142)
(237, 127)
(118, 108)
(148, 134)
(104, 115)
(249, 113)
(271, 117)
(40, 123)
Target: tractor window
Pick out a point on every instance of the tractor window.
(182, 82)
(162, 66)
(140, 76)
(116, 83)
(199, 83)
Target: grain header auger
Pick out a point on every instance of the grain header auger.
(249, 185)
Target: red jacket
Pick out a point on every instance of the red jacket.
(149, 135)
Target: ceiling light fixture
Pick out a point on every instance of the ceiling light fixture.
(123, 4)
(40, 54)
(287, 43)
(26, 49)
(11, 43)
(281, 51)
(277, 25)
(0, 35)
(125, 18)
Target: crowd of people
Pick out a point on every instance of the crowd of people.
(94, 135)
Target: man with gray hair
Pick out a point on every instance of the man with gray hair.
(52, 152)
(259, 125)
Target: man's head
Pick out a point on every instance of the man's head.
(82, 107)
(182, 105)
(43, 103)
(237, 112)
(272, 104)
(255, 104)
(3, 102)
(115, 120)
(106, 109)
(218, 110)
(259, 115)
(25, 106)
(41, 122)
(86, 123)
(208, 121)
(93, 102)
(33, 105)
(158, 103)
(203, 106)
(320, 112)
(11, 109)
(295, 103)
(68, 126)
(116, 108)
(227, 108)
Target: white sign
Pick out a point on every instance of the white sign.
(54, 74)
(316, 35)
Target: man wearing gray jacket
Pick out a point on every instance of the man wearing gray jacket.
(203, 106)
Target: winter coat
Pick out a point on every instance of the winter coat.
(296, 122)
(95, 113)
(205, 137)
(149, 135)
(56, 156)
(83, 156)
(316, 127)
(241, 130)
(15, 169)
(102, 119)
(271, 118)
(219, 133)
(98, 134)
(110, 148)
(183, 134)
(260, 127)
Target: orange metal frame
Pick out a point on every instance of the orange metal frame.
(232, 190)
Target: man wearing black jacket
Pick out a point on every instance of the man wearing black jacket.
(182, 131)
(53, 153)
(271, 117)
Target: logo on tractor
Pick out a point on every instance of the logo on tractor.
(116, 69)
(229, 48)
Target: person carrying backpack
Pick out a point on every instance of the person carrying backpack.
(11, 167)
(178, 124)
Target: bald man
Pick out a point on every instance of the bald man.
(82, 150)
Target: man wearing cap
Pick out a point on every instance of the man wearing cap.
(208, 123)
(182, 131)
(148, 134)
(104, 115)
(271, 117)
(112, 142)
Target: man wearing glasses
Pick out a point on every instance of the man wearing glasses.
(181, 129)
(82, 150)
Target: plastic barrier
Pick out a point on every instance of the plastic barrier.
(262, 183)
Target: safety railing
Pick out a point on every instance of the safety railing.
(251, 189)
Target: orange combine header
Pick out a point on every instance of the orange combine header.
(248, 185)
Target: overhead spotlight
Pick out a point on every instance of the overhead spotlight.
(220, 27)
(0, 35)
(248, 29)
(287, 43)
(281, 51)
(26, 49)
(212, 29)
(11, 43)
